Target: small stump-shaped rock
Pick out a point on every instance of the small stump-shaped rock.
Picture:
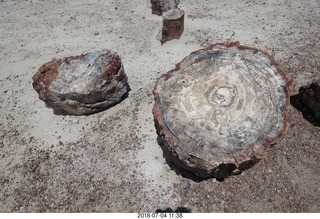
(82, 84)
(156, 7)
(173, 25)
(220, 109)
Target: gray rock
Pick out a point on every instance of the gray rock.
(82, 84)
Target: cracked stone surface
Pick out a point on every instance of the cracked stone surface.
(222, 107)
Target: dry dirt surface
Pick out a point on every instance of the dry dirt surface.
(111, 161)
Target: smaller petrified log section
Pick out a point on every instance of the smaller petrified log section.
(82, 84)
(156, 7)
(173, 18)
(221, 108)
(310, 96)
(160, 6)
(173, 25)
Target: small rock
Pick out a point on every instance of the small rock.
(156, 7)
(310, 96)
(187, 185)
(96, 33)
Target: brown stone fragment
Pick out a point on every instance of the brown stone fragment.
(160, 6)
(220, 109)
(173, 25)
(156, 7)
(82, 84)
(310, 96)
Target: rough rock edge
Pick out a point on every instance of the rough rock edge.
(230, 166)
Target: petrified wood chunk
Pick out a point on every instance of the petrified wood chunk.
(156, 7)
(173, 25)
(82, 84)
(310, 96)
(160, 6)
(221, 108)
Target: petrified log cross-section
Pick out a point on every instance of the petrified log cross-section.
(82, 84)
(221, 108)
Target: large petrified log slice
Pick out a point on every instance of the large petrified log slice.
(310, 96)
(221, 108)
(82, 84)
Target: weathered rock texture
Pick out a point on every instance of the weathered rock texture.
(221, 108)
(310, 96)
(156, 7)
(82, 84)
(173, 25)
(160, 6)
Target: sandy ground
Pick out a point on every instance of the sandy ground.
(111, 161)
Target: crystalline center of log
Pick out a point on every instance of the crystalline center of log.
(224, 96)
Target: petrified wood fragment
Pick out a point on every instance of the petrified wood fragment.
(221, 108)
(160, 6)
(156, 7)
(310, 96)
(82, 84)
(173, 25)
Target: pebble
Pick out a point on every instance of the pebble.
(187, 185)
